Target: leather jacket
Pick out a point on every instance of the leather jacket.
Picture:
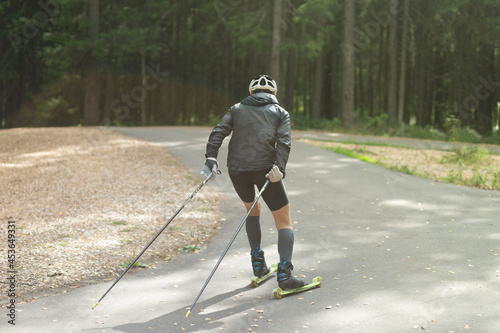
(261, 134)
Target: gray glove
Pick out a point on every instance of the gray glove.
(210, 167)
(275, 175)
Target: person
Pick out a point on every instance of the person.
(258, 149)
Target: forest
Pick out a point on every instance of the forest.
(350, 64)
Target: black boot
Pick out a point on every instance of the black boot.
(259, 263)
(285, 279)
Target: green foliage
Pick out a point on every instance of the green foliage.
(316, 17)
(360, 154)
(211, 49)
(190, 248)
(465, 156)
(477, 179)
(353, 154)
(445, 6)
(403, 169)
(468, 171)
(303, 123)
(378, 126)
(136, 264)
(3, 5)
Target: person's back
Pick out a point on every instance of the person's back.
(258, 122)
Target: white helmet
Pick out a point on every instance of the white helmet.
(263, 82)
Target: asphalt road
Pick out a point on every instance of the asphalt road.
(396, 253)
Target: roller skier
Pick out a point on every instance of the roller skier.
(259, 148)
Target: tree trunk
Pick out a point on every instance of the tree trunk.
(359, 95)
(348, 70)
(144, 116)
(393, 75)
(275, 52)
(371, 87)
(109, 92)
(487, 102)
(327, 86)
(402, 76)
(291, 70)
(3, 108)
(382, 76)
(91, 104)
(318, 81)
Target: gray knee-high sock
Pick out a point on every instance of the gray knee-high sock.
(253, 231)
(285, 244)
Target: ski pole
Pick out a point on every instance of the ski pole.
(154, 238)
(227, 248)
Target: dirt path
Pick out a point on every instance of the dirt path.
(86, 200)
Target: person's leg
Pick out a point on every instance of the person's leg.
(285, 232)
(254, 235)
(253, 225)
(244, 186)
(278, 203)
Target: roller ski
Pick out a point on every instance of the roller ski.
(260, 269)
(278, 292)
(257, 280)
(288, 284)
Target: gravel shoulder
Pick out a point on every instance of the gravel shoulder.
(87, 200)
(427, 163)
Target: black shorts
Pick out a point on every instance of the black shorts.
(244, 183)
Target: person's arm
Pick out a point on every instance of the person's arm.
(283, 142)
(223, 129)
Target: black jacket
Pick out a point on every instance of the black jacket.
(261, 134)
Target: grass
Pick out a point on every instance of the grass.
(468, 166)
(190, 248)
(203, 208)
(465, 156)
(468, 161)
(401, 168)
(353, 154)
(136, 264)
(359, 154)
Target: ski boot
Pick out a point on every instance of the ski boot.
(259, 265)
(285, 279)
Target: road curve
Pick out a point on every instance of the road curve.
(396, 253)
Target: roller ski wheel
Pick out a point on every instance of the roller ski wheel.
(279, 293)
(257, 280)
